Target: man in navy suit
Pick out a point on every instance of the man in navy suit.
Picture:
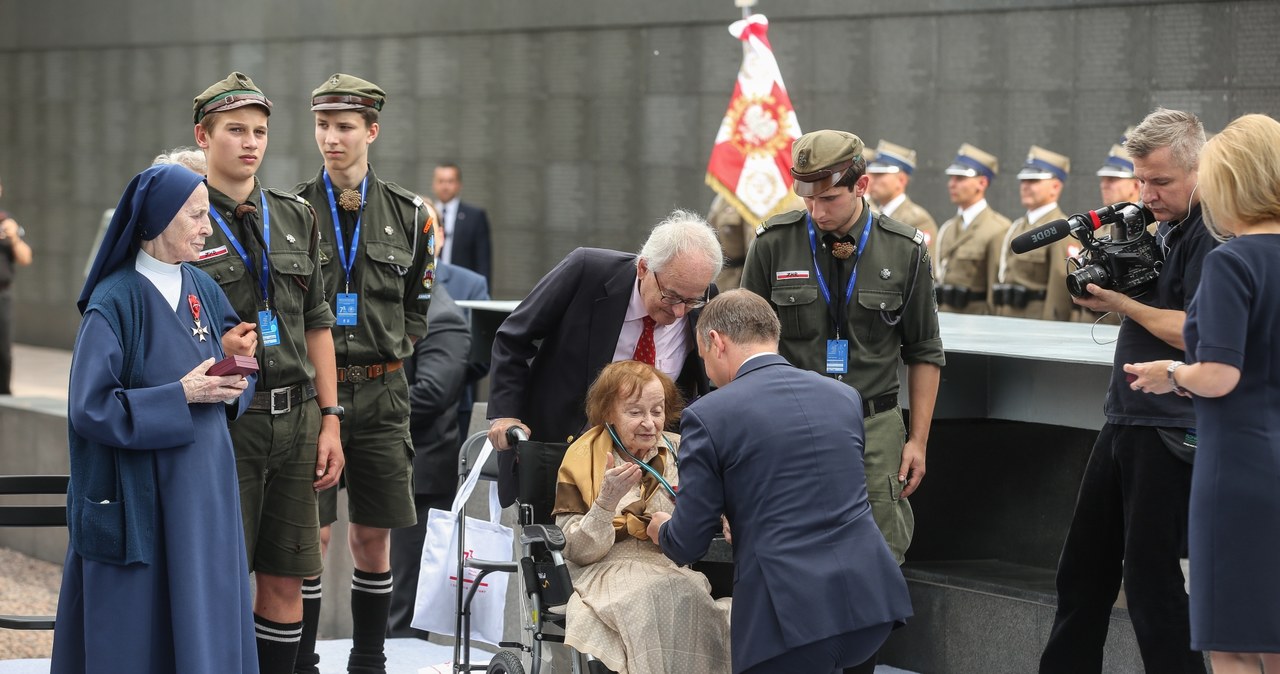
(778, 451)
(466, 227)
(594, 308)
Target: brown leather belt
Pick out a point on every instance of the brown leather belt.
(883, 403)
(281, 400)
(357, 374)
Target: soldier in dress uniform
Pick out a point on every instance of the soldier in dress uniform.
(962, 247)
(1117, 183)
(890, 172)
(376, 257)
(1033, 284)
(263, 252)
(855, 299)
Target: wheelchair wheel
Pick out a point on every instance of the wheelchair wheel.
(505, 662)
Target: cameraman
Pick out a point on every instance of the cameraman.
(1130, 520)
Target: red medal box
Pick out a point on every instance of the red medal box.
(242, 365)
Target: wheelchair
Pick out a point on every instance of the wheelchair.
(544, 579)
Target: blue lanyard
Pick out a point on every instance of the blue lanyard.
(853, 275)
(244, 255)
(347, 257)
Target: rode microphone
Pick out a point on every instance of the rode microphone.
(1059, 229)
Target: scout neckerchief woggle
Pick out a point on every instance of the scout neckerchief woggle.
(348, 302)
(266, 317)
(837, 349)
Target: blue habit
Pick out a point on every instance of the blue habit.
(188, 609)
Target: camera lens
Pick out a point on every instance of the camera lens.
(1079, 279)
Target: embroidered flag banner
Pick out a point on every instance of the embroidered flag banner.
(751, 161)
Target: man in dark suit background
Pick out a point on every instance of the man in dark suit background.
(436, 374)
(462, 284)
(466, 227)
(778, 451)
(598, 306)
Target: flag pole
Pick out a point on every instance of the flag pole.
(746, 6)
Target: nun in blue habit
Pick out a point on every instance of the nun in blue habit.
(156, 577)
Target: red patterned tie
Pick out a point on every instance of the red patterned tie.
(645, 350)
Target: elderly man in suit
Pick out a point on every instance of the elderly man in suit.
(466, 226)
(816, 587)
(598, 306)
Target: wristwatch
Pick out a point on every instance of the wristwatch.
(336, 411)
(1173, 367)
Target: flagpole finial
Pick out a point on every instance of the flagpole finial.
(744, 4)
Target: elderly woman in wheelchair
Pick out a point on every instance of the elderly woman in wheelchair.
(632, 608)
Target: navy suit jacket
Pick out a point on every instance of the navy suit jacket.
(462, 283)
(471, 246)
(779, 451)
(549, 350)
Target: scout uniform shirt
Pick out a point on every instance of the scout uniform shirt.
(890, 317)
(1041, 272)
(961, 254)
(295, 294)
(391, 274)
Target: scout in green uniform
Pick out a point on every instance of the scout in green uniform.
(854, 294)
(890, 173)
(287, 446)
(961, 249)
(377, 261)
(1033, 284)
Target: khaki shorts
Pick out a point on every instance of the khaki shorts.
(276, 462)
(885, 435)
(379, 453)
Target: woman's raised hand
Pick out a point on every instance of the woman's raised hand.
(618, 480)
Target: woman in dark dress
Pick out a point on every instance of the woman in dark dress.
(1232, 338)
(156, 577)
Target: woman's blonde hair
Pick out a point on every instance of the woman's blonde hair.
(1240, 173)
(620, 380)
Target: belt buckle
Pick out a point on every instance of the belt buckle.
(278, 394)
(356, 374)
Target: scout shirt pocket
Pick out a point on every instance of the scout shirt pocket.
(384, 278)
(875, 301)
(794, 303)
(227, 269)
(292, 269)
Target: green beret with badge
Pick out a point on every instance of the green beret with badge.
(236, 91)
(347, 92)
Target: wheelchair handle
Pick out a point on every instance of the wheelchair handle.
(515, 434)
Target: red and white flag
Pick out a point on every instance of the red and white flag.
(751, 162)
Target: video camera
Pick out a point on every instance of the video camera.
(1126, 261)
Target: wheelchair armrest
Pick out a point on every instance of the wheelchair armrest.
(490, 565)
(547, 534)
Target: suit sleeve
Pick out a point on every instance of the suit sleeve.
(515, 343)
(686, 537)
(440, 367)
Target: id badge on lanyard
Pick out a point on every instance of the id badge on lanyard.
(348, 308)
(269, 327)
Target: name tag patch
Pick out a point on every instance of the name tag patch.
(798, 274)
(213, 252)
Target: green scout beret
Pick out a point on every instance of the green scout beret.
(820, 158)
(236, 91)
(347, 92)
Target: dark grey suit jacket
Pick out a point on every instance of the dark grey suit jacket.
(779, 451)
(436, 374)
(471, 245)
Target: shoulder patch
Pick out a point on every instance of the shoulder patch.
(290, 196)
(889, 224)
(788, 218)
(405, 194)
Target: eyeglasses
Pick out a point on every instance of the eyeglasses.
(671, 299)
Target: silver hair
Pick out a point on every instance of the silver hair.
(1180, 131)
(742, 316)
(190, 157)
(682, 233)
